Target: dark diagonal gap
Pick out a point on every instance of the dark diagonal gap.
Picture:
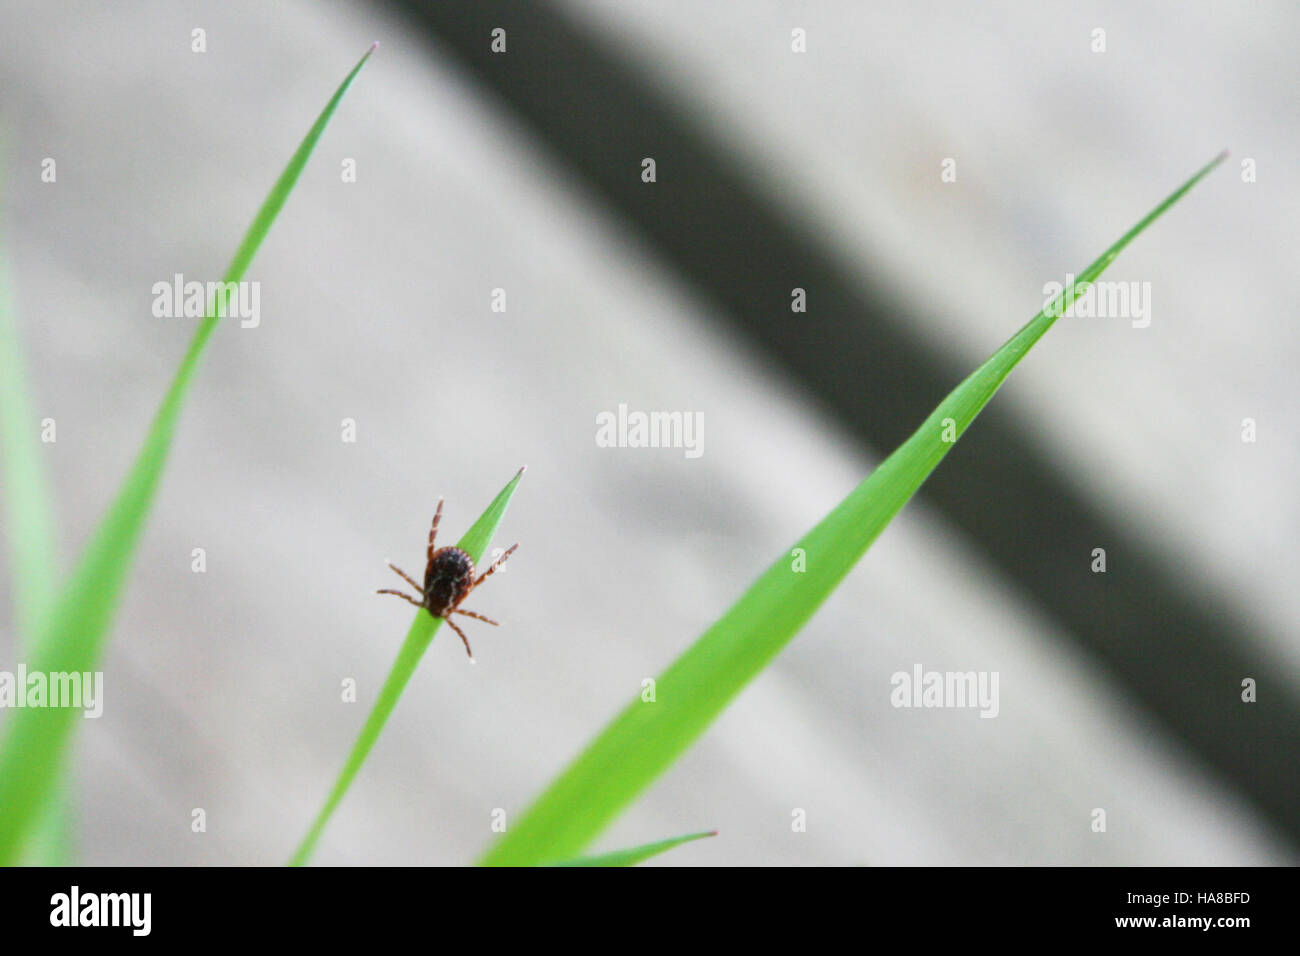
(1177, 652)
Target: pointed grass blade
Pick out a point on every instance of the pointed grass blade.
(645, 738)
(637, 854)
(73, 636)
(418, 639)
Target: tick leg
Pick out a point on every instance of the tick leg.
(433, 531)
(495, 564)
(462, 636)
(401, 595)
(478, 617)
(406, 577)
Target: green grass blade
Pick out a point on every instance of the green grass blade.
(74, 634)
(646, 737)
(29, 520)
(418, 639)
(636, 854)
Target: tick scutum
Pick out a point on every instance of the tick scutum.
(448, 578)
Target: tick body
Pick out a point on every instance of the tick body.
(448, 580)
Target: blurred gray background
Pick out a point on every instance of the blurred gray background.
(223, 688)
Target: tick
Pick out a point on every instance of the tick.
(448, 580)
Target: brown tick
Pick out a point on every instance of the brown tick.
(448, 580)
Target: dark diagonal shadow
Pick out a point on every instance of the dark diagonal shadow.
(1171, 649)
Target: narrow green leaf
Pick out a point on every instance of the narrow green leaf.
(29, 520)
(645, 738)
(418, 639)
(73, 637)
(636, 854)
